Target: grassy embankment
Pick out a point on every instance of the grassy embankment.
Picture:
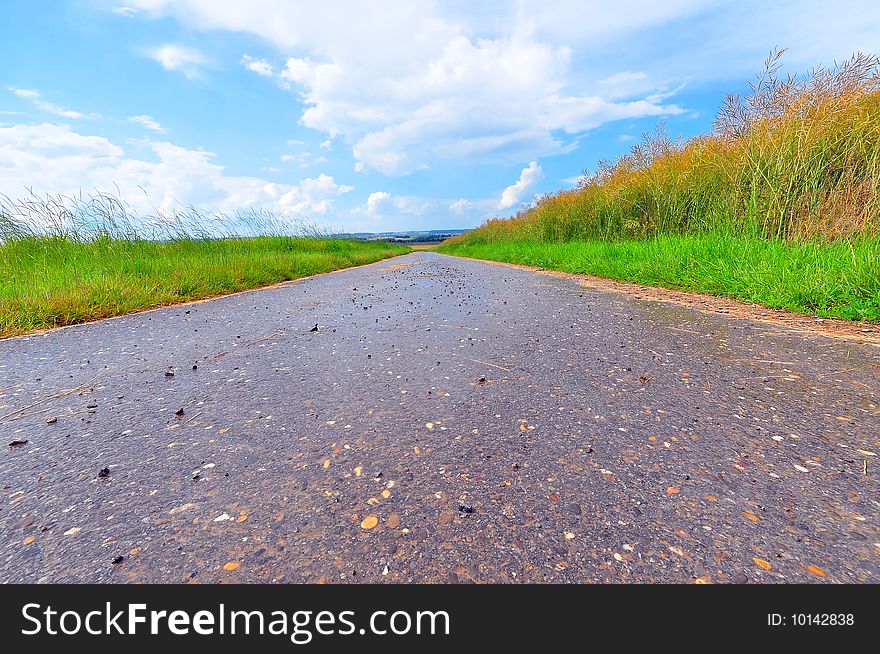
(61, 266)
(779, 205)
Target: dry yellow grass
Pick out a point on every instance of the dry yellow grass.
(797, 159)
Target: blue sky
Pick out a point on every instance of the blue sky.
(372, 116)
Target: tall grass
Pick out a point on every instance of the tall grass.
(795, 161)
(66, 259)
(83, 218)
(798, 158)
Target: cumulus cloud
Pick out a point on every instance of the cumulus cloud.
(381, 202)
(188, 61)
(259, 66)
(489, 100)
(149, 122)
(313, 196)
(406, 85)
(460, 206)
(36, 98)
(375, 201)
(518, 191)
(52, 158)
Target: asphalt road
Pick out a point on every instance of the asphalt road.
(500, 426)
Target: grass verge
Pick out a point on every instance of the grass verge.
(51, 281)
(835, 280)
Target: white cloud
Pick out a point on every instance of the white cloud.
(460, 206)
(127, 12)
(188, 61)
(406, 85)
(149, 122)
(303, 159)
(259, 66)
(379, 203)
(488, 100)
(313, 196)
(623, 77)
(375, 201)
(53, 158)
(628, 84)
(36, 98)
(517, 192)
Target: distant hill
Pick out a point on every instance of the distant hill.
(422, 236)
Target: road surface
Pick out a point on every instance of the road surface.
(496, 425)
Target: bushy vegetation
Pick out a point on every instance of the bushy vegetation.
(795, 163)
(65, 260)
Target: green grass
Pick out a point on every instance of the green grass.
(839, 280)
(52, 281)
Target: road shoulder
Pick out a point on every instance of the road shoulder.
(859, 332)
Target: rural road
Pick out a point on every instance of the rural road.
(502, 426)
